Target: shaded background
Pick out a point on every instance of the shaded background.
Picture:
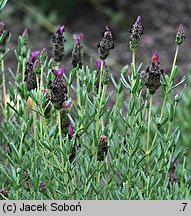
(160, 19)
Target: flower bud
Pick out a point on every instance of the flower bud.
(25, 38)
(32, 69)
(58, 89)
(180, 36)
(58, 40)
(152, 75)
(42, 187)
(77, 53)
(47, 105)
(136, 31)
(102, 148)
(106, 44)
(65, 121)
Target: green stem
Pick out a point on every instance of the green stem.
(41, 78)
(34, 121)
(101, 99)
(68, 86)
(78, 93)
(133, 60)
(23, 70)
(4, 83)
(165, 96)
(174, 62)
(149, 123)
(18, 69)
(118, 98)
(60, 134)
(98, 178)
(132, 98)
(38, 86)
(148, 137)
(100, 77)
(131, 122)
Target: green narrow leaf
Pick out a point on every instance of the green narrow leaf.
(2, 4)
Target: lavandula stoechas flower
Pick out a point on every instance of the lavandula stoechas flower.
(3, 191)
(152, 75)
(106, 44)
(102, 148)
(65, 121)
(136, 31)
(180, 36)
(47, 104)
(77, 53)
(42, 187)
(31, 68)
(58, 40)
(58, 89)
(4, 37)
(172, 175)
(75, 147)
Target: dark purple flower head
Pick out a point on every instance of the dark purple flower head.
(155, 57)
(172, 173)
(98, 64)
(67, 103)
(71, 129)
(136, 31)
(61, 29)
(58, 40)
(42, 186)
(102, 148)
(152, 75)
(180, 36)
(105, 44)
(58, 72)
(33, 56)
(78, 37)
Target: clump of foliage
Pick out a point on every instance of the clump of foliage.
(57, 147)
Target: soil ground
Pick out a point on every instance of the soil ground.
(160, 19)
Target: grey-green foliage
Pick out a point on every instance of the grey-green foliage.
(2, 4)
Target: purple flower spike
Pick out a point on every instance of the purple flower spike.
(78, 37)
(33, 56)
(61, 29)
(180, 36)
(58, 72)
(71, 129)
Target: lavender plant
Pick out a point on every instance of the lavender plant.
(57, 147)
